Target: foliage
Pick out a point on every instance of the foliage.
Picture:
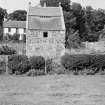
(3, 14)
(18, 15)
(5, 50)
(7, 37)
(2, 67)
(37, 62)
(15, 37)
(95, 63)
(49, 65)
(64, 3)
(18, 64)
(73, 40)
(54, 67)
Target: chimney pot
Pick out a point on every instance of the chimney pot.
(45, 4)
(29, 3)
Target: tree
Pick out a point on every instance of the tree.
(3, 13)
(64, 3)
(73, 40)
(70, 22)
(80, 20)
(18, 15)
(94, 22)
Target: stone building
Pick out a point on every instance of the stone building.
(45, 32)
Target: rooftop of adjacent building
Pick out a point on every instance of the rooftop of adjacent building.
(14, 24)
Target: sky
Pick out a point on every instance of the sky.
(12, 5)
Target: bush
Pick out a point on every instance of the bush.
(15, 37)
(37, 62)
(5, 50)
(54, 67)
(2, 67)
(93, 63)
(18, 64)
(49, 65)
(7, 37)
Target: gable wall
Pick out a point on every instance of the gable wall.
(52, 46)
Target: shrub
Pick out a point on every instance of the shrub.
(54, 67)
(49, 65)
(74, 62)
(18, 64)
(7, 37)
(2, 67)
(15, 37)
(93, 63)
(37, 62)
(5, 50)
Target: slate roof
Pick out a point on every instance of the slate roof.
(51, 24)
(45, 18)
(14, 24)
(44, 11)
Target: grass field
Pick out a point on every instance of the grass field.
(52, 90)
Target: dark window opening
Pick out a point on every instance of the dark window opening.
(9, 29)
(24, 30)
(45, 34)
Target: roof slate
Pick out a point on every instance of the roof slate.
(45, 18)
(40, 24)
(45, 11)
(14, 24)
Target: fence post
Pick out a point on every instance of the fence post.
(45, 66)
(6, 61)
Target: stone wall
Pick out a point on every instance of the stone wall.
(51, 46)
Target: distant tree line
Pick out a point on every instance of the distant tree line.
(82, 24)
(18, 15)
(3, 14)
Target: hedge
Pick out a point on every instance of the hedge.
(37, 62)
(5, 50)
(81, 62)
(35, 65)
(18, 64)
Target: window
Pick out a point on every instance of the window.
(9, 29)
(45, 34)
(21, 31)
(24, 30)
(45, 16)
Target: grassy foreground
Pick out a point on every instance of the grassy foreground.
(52, 90)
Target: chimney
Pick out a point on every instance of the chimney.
(59, 4)
(45, 5)
(29, 4)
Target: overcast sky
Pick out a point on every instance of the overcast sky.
(12, 5)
